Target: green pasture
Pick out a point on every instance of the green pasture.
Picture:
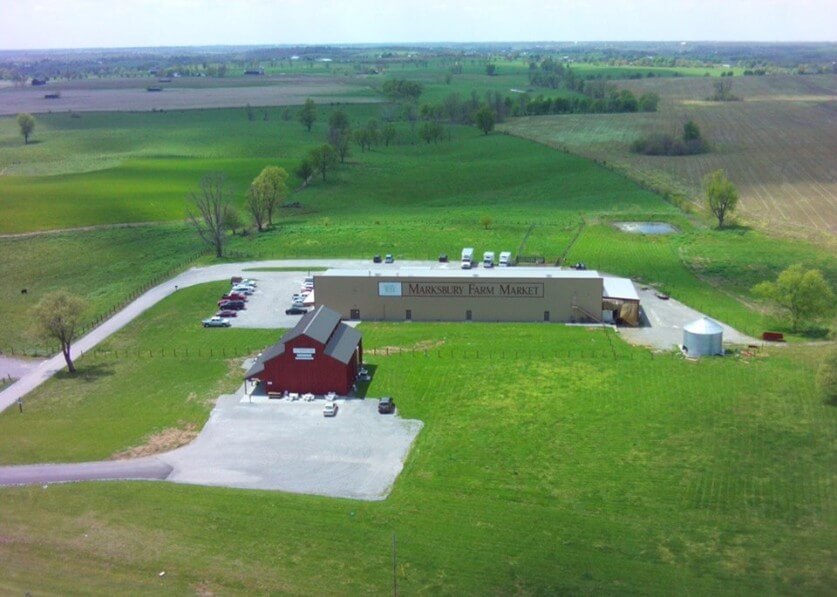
(106, 267)
(553, 460)
(162, 371)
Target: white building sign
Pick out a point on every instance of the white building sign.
(389, 288)
(304, 354)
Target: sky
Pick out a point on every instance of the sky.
(42, 24)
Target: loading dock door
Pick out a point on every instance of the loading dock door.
(468, 316)
(409, 315)
(546, 315)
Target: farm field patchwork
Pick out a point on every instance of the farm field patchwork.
(777, 145)
(572, 463)
(132, 95)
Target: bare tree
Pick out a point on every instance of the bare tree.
(208, 210)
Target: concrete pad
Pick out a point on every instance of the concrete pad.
(291, 446)
(664, 320)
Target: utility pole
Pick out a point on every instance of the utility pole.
(394, 569)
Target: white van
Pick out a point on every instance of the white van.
(488, 259)
(467, 258)
(505, 259)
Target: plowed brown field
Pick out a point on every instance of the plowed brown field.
(778, 145)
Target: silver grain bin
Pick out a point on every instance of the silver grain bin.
(703, 337)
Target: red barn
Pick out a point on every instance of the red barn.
(320, 355)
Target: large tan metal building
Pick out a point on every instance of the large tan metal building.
(436, 294)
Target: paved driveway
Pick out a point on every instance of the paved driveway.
(266, 444)
(291, 446)
(665, 319)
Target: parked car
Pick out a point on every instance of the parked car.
(236, 305)
(216, 322)
(443, 258)
(376, 259)
(296, 311)
(579, 266)
(234, 296)
(227, 313)
(661, 296)
(386, 405)
(389, 259)
(235, 280)
(242, 290)
(330, 409)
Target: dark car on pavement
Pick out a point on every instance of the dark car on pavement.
(386, 405)
(227, 313)
(296, 311)
(237, 305)
(376, 259)
(443, 258)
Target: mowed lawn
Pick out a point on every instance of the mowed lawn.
(553, 460)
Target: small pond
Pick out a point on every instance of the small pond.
(646, 227)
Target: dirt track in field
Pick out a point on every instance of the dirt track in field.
(132, 95)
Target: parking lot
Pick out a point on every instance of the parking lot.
(265, 308)
(291, 446)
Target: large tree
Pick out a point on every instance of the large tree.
(57, 317)
(339, 139)
(802, 294)
(485, 119)
(26, 122)
(265, 194)
(208, 209)
(308, 114)
(721, 195)
(323, 158)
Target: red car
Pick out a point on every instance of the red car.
(226, 313)
(233, 296)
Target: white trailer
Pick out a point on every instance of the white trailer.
(488, 259)
(505, 259)
(467, 258)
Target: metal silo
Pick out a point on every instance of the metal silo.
(703, 337)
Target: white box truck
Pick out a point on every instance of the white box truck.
(467, 258)
(505, 259)
(488, 259)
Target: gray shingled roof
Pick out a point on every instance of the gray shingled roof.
(317, 324)
(343, 343)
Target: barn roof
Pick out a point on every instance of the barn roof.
(343, 343)
(318, 325)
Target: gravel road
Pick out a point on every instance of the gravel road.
(34, 474)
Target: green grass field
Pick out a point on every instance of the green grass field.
(559, 460)
(410, 199)
(106, 267)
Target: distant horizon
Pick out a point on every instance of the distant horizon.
(41, 25)
(422, 43)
